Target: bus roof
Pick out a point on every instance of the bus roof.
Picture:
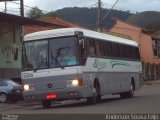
(71, 31)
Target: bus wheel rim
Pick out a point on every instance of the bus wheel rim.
(132, 91)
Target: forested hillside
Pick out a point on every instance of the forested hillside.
(149, 20)
(88, 16)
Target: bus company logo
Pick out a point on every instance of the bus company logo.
(99, 64)
(27, 75)
(50, 85)
(119, 63)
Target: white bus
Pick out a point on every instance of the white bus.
(74, 63)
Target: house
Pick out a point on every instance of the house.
(11, 38)
(56, 20)
(149, 46)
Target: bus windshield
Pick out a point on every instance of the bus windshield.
(51, 53)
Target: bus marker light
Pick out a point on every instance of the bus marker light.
(51, 96)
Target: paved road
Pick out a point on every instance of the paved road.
(146, 100)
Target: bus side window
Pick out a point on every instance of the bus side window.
(128, 52)
(134, 53)
(92, 50)
(131, 52)
(108, 49)
(99, 48)
(121, 50)
(116, 50)
(125, 51)
(137, 53)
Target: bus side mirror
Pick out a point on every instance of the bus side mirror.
(81, 42)
(82, 48)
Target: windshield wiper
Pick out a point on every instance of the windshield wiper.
(42, 62)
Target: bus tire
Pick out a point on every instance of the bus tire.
(46, 103)
(96, 94)
(129, 94)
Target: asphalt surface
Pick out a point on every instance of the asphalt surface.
(146, 100)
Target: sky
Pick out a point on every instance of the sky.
(52, 5)
(132, 5)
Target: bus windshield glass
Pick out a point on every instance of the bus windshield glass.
(52, 53)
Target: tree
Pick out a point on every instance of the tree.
(34, 13)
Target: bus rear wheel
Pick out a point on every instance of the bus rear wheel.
(46, 103)
(129, 94)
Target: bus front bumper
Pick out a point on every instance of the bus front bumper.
(61, 94)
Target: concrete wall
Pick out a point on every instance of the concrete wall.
(10, 73)
(10, 50)
(144, 40)
(151, 64)
(126, 29)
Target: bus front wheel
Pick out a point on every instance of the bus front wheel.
(46, 103)
(96, 95)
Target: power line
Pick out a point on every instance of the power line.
(119, 8)
(88, 2)
(11, 10)
(67, 2)
(75, 2)
(84, 3)
(109, 11)
(80, 3)
(94, 5)
(8, 7)
(28, 6)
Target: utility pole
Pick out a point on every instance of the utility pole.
(5, 7)
(99, 16)
(22, 8)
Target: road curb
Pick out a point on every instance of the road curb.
(154, 82)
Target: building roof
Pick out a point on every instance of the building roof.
(59, 21)
(142, 29)
(56, 20)
(22, 21)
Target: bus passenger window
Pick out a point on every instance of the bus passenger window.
(92, 50)
(99, 48)
(108, 49)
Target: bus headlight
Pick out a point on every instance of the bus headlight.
(28, 87)
(74, 83)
